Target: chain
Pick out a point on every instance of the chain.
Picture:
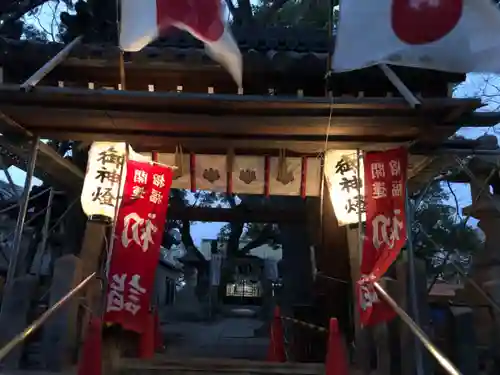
(305, 324)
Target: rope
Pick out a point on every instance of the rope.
(305, 324)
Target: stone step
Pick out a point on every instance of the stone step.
(32, 355)
(205, 366)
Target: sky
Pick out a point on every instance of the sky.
(485, 86)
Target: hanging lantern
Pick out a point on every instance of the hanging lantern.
(103, 185)
(342, 177)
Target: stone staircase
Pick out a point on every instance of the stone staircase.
(213, 366)
(32, 353)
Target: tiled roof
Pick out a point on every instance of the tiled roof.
(273, 48)
(269, 42)
(297, 39)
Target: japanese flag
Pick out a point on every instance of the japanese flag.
(450, 35)
(143, 20)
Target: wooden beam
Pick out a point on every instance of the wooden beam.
(223, 104)
(242, 145)
(479, 119)
(241, 215)
(50, 166)
(36, 118)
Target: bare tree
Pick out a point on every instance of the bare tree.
(33, 19)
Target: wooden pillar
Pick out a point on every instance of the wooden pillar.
(333, 264)
(92, 248)
(92, 254)
(60, 336)
(363, 337)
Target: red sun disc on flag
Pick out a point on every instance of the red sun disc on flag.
(424, 21)
(201, 17)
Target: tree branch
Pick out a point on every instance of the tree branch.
(243, 14)
(20, 10)
(186, 237)
(231, 7)
(271, 11)
(265, 235)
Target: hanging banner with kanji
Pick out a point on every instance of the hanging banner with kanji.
(137, 240)
(342, 179)
(101, 188)
(385, 234)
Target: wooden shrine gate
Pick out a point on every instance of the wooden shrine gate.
(188, 113)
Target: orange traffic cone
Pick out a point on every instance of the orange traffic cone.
(90, 361)
(276, 351)
(336, 362)
(147, 339)
(158, 334)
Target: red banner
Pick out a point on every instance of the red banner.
(385, 234)
(138, 235)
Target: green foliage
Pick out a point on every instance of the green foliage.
(95, 19)
(313, 13)
(251, 231)
(439, 230)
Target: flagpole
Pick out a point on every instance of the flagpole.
(412, 278)
(122, 71)
(360, 214)
(361, 335)
(419, 334)
(104, 272)
(400, 86)
(121, 57)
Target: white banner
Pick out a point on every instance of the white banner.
(101, 188)
(105, 177)
(248, 175)
(341, 177)
(211, 172)
(455, 36)
(288, 182)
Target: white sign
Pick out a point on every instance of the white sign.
(342, 179)
(103, 185)
(248, 174)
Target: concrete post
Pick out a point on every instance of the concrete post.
(486, 267)
(16, 304)
(463, 340)
(60, 336)
(406, 336)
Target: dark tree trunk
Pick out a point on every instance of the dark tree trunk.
(233, 243)
(296, 261)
